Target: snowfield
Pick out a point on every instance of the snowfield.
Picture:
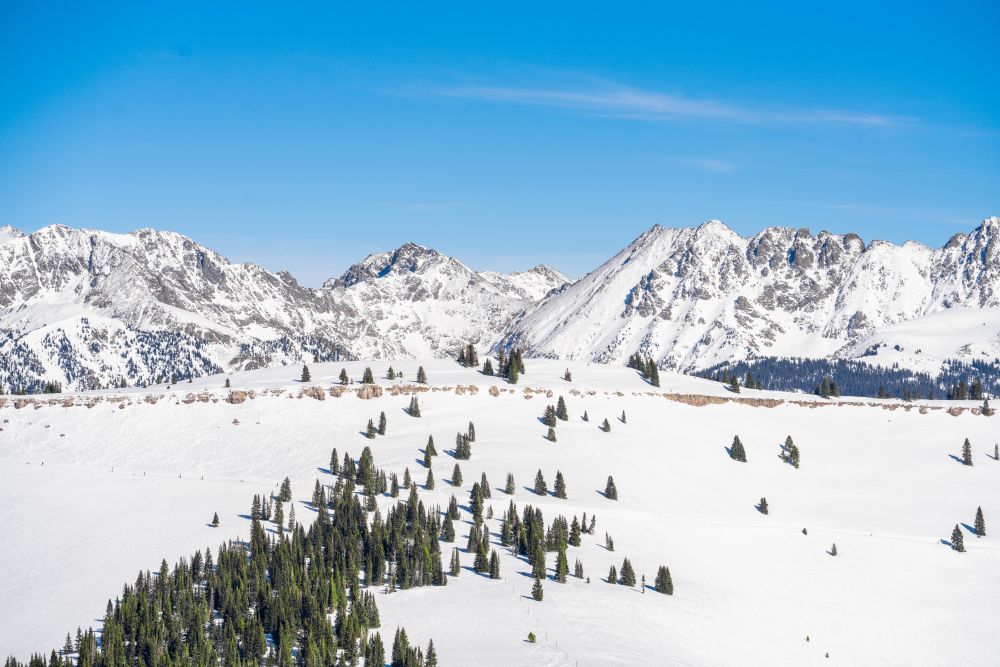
(96, 494)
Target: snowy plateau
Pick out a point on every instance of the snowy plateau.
(90, 309)
(101, 485)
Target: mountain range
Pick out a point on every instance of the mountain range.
(88, 308)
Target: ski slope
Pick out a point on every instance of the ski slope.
(96, 494)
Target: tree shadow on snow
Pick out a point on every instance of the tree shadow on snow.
(729, 451)
(947, 543)
(245, 516)
(325, 471)
(971, 529)
(956, 458)
(601, 493)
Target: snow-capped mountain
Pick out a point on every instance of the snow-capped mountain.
(87, 308)
(690, 298)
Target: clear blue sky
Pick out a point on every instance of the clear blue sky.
(306, 137)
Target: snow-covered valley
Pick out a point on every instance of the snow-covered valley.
(104, 484)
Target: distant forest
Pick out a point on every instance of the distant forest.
(834, 377)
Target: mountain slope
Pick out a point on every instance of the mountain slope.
(691, 298)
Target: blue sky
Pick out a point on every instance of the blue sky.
(306, 136)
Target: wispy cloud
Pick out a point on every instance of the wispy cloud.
(616, 100)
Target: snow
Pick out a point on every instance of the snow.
(128, 482)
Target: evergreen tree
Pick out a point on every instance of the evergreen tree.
(536, 590)
(215, 518)
(394, 489)
(487, 367)
(980, 523)
(762, 506)
(561, 412)
(512, 379)
(574, 533)
(663, 583)
(509, 488)
(737, 452)
(606, 426)
(562, 567)
(421, 376)
(627, 575)
(414, 409)
(456, 564)
(430, 446)
(305, 373)
(344, 380)
(431, 660)
(654, 375)
(833, 549)
(390, 374)
(484, 486)
(622, 418)
(370, 430)
(610, 491)
(585, 417)
(957, 543)
(456, 476)
(549, 416)
(407, 480)
(734, 384)
(494, 565)
(551, 435)
(540, 487)
(381, 423)
(227, 383)
(471, 433)
(429, 483)
(578, 569)
(986, 408)
(285, 494)
(609, 543)
(612, 575)
(427, 458)
(367, 377)
(567, 376)
(789, 452)
(560, 485)
(334, 462)
(966, 453)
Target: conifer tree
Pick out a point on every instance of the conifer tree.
(654, 375)
(538, 561)
(407, 480)
(484, 486)
(609, 543)
(627, 575)
(551, 435)
(737, 452)
(610, 491)
(427, 458)
(536, 590)
(540, 487)
(562, 567)
(334, 462)
(367, 377)
(215, 519)
(391, 374)
(381, 423)
(622, 418)
(980, 523)
(344, 380)
(734, 384)
(431, 660)
(394, 489)
(561, 411)
(549, 416)
(967, 453)
(574, 533)
(414, 409)
(986, 408)
(606, 426)
(957, 543)
(285, 494)
(663, 583)
(471, 433)
(762, 506)
(305, 373)
(612, 575)
(567, 376)
(487, 367)
(509, 488)
(370, 430)
(227, 383)
(456, 564)
(585, 417)
(494, 565)
(448, 528)
(790, 452)
(996, 452)
(453, 508)
(291, 519)
(560, 485)
(578, 569)
(279, 515)
(512, 379)
(429, 484)
(456, 476)
(421, 375)
(833, 549)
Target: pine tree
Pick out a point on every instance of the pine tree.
(567, 376)
(734, 384)
(421, 375)
(956, 539)
(487, 367)
(663, 583)
(414, 409)
(344, 380)
(334, 462)
(612, 575)
(578, 569)
(456, 476)
(427, 458)
(562, 567)
(540, 487)
(610, 491)
(790, 452)
(367, 377)
(622, 418)
(560, 485)
(967, 453)
(215, 519)
(551, 435)
(980, 523)
(512, 374)
(762, 507)
(285, 494)
(536, 590)
(833, 549)
(561, 411)
(381, 423)
(606, 426)
(737, 452)
(654, 375)
(394, 488)
(456, 564)
(627, 575)
(585, 417)
(429, 484)
(494, 565)
(227, 383)
(574, 533)
(471, 433)
(549, 416)
(509, 488)
(986, 408)
(609, 543)
(370, 430)
(484, 486)
(431, 660)
(996, 452)
(407, 481)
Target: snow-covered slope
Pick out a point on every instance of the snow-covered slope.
(876, 478)
(694, 297)
(89, 308)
